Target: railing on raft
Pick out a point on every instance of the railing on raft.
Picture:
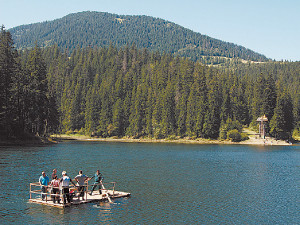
(34, 191)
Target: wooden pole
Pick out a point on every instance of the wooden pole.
(114, 190)
(86, 190)
(46, 193)
(106, 192)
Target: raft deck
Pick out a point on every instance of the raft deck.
(35, 196)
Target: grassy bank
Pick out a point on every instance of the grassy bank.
(253, 140)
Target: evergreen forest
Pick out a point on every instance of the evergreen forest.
(128, 91)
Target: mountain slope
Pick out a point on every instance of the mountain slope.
(100, 29)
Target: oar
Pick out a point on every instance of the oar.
(106, 192)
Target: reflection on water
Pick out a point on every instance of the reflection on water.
(170, 183)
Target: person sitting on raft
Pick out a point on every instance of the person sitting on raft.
(65, 182)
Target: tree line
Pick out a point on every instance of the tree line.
(133, 92)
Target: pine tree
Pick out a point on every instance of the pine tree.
(192, 111)
(296, 104)
(65, 107)
(7, 73)
(168, 121)
(258, 97)
(117, 119)
(93, 107)
(212, 117)
(137, 116)
(269, 97)
(281, 123)
(196, 104)
(76, 107)
(105, 116)
(126, 113)
(181, 111)
(240, 111)
(149, 112)
(228, 93)
(202, 99)
(37, 89)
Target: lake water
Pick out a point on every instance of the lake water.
(169, 183)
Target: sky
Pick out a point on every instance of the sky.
(269, 27)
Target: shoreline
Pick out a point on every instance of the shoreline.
(56, 138)
(252, 140)
(27, 142)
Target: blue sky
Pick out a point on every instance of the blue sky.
(270, 27)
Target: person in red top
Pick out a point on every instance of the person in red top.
(55, 189)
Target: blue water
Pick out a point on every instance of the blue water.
(169, 183)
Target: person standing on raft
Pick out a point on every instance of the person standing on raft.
(44, 181)
(65, 182)
(81, 178)
(98, 180)
(55, 190)
(54, 174)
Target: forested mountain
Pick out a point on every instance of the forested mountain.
(100, 29)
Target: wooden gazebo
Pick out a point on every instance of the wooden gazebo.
(262, 122)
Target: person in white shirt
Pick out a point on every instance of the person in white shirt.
(65, 182)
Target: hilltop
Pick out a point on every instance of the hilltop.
(101, 29)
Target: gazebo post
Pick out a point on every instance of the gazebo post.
(262, 130)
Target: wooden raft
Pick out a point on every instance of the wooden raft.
(35, 196)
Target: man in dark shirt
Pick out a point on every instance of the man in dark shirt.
(98, 178)
(53, 174)
(81, 178)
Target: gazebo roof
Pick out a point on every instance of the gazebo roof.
(263, 118)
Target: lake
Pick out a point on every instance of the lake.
(169, 183)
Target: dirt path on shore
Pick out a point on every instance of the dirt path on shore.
(254, 139)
